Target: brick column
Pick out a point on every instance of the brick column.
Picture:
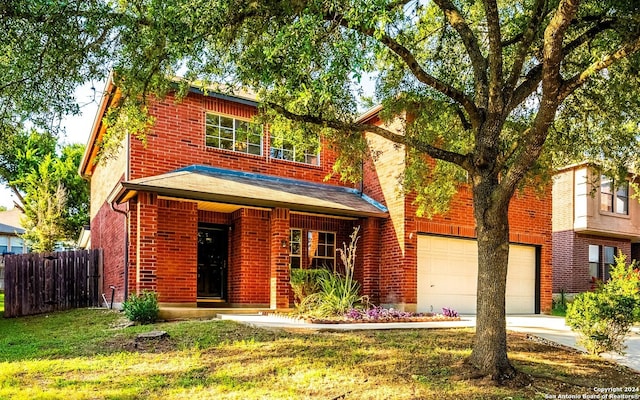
(369, 250)
(280, 225)
(147, 242)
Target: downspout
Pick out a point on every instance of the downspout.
(126, 222)
(126, 246)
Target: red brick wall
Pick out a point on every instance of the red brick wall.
(571, 259)
(529, 217)
(108, 232)
(177, 251)
(249, 268)
(177, 140)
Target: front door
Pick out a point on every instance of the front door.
(212, 261)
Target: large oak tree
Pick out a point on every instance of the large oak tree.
(496, 89)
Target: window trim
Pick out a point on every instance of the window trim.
(293, 255)
(235, 118)
(613, 195)
(282, 149)
(311, 257)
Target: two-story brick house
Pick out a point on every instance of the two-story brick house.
(215, 209)
(594, 218)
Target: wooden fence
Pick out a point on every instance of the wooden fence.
(40, 283)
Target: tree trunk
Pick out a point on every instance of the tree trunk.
(491, 207)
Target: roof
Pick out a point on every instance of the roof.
(10, 222)
(203, 183)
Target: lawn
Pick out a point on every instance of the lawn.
(86, 354)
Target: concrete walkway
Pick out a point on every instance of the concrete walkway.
(546, 327)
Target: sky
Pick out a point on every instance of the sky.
(76, 128)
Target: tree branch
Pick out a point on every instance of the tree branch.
(534, 76)
(412, 63)
(551, 82)
(478, 61)
(432, 151)
(495, 105)
(570, 85)
(526, 38)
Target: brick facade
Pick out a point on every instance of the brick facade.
(579, 221)
(571, 259)
(162, 233)
(529, 217)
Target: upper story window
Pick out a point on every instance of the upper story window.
(223, 132)
(285, 149)
(614, 199)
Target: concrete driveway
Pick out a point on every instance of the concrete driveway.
(544, 326)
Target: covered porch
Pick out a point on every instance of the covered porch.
(209, 238)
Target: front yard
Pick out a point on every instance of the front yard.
(83, 354)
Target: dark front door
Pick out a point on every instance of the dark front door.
(212, 261)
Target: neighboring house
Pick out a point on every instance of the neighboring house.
(594, 218)
(10, 242)
(10, 229)
(215, 209)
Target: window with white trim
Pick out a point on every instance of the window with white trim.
(295, 245)
(224, 132)
(321, 249)
(594, 261)
(614, 199)
(17, 245)
(4, 245)
(285, 149)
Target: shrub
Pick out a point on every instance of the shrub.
(336, 296)
(337, 293)
(303, 283)
(449, 312)
(604, 318)
(143, 308)
(377, 313)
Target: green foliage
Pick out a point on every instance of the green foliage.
(43, 176)
(604, 317)
(560, 304)
(48, 49)
(304, 282)
(44, 205)
(142, 308)
(337, 293)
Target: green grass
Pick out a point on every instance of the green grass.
(81, 354)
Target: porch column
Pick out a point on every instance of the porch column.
(280, 288)
(369, 250)
(147, 243)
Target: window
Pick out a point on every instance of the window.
(598, 269)
(609, 260)
(594, 261)
(4, 244)
(295, 252)
(285, 149)
(321, 249)
(17, 245)
(233, 134)
(614, 199)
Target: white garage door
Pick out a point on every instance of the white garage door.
(448, 273)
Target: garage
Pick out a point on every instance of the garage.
(448, 273)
